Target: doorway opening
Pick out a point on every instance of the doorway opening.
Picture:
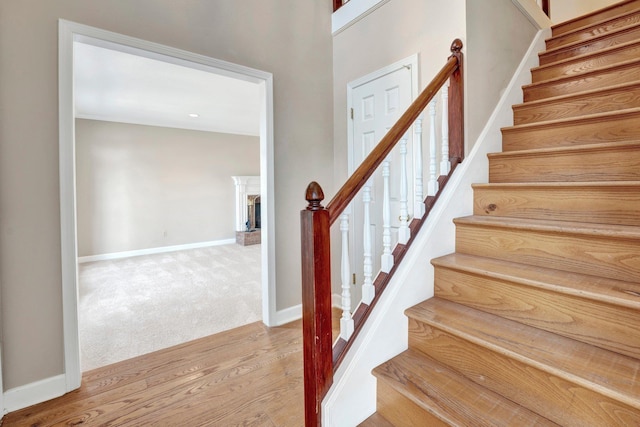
(71, 33)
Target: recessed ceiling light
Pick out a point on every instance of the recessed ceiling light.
(194, 115)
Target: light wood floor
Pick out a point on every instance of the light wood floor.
(249, 376)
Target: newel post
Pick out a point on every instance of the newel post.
(316, 304)
(456, 106)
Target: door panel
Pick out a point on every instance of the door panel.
(377, 105)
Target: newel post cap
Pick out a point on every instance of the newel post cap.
(456, 46)
(314, 196)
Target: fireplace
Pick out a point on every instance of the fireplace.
(248, 213)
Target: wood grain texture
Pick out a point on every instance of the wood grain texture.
(598, 18)
(600, 78)
(588, 202)
(375, 420)
(247, 376)
(614, 37)
(587, 62)
(580, 104)
(416, 390)
(613, 126)
(569, 305)
(568, 382)
(597, 162)
(589, 32)
(601, 250)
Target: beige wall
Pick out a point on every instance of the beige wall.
(498, 36)
(563, 10)
(289, 38)
(142, 187)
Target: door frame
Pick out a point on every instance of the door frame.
(68, 32)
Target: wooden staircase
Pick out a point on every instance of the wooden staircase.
(536, 317)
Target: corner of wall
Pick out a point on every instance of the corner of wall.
(534, 13)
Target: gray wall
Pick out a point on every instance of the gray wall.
(142, 187)
(289, 38)
(498, 36)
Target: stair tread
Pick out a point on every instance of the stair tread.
(631, 62)
(562, 184)
(582, 94)
(604, 371)
(571, 120)
(594, 24)
(450, 396)
(582, 56)
(611, 291)
(542, 225)
(565, 149)
(597, 37)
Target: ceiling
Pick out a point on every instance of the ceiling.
(116, 86)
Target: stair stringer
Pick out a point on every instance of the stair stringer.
(352, 398)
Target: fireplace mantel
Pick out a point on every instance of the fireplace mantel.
(245, 186)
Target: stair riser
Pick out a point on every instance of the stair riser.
(596, 20)
(614, 164)
(592, 103)
(593, 204)
(599, 79)
(589, 321)
(401, 411)
(578, 66)
(614, 39)
(614, 258)
(617, 128)
(586, 29)
(561, 401)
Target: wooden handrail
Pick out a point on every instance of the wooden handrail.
(320, 361)
(337, 4)
(368, 166)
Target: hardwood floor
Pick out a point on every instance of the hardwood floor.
(249, 376)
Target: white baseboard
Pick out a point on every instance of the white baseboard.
(336, 300)
(150, 251)
(33, 393)
(288, 315)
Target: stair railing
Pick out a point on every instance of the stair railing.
(321, 358)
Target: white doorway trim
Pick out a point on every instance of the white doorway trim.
(70, 32)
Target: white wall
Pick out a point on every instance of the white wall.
(142, 187)
(289, 38)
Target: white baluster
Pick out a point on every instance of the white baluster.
(445, 164)
(432, 186)
(418, 202)
(346, 322)
(386, 260)
(403, 230)
(368, 291)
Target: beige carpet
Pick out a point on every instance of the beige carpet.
(137, 305)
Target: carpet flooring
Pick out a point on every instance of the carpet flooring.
(133, 306)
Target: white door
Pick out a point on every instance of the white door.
(376, 103)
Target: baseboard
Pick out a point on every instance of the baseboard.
(150, 251)
(288, 315)
(336, 300)
(33, 393)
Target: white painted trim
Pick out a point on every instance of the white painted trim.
(68, 32)
(336, 301)
(288, 315)
(534, 13)
(33, 393)
(151, 251)
(352, 398)
(352, 12)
